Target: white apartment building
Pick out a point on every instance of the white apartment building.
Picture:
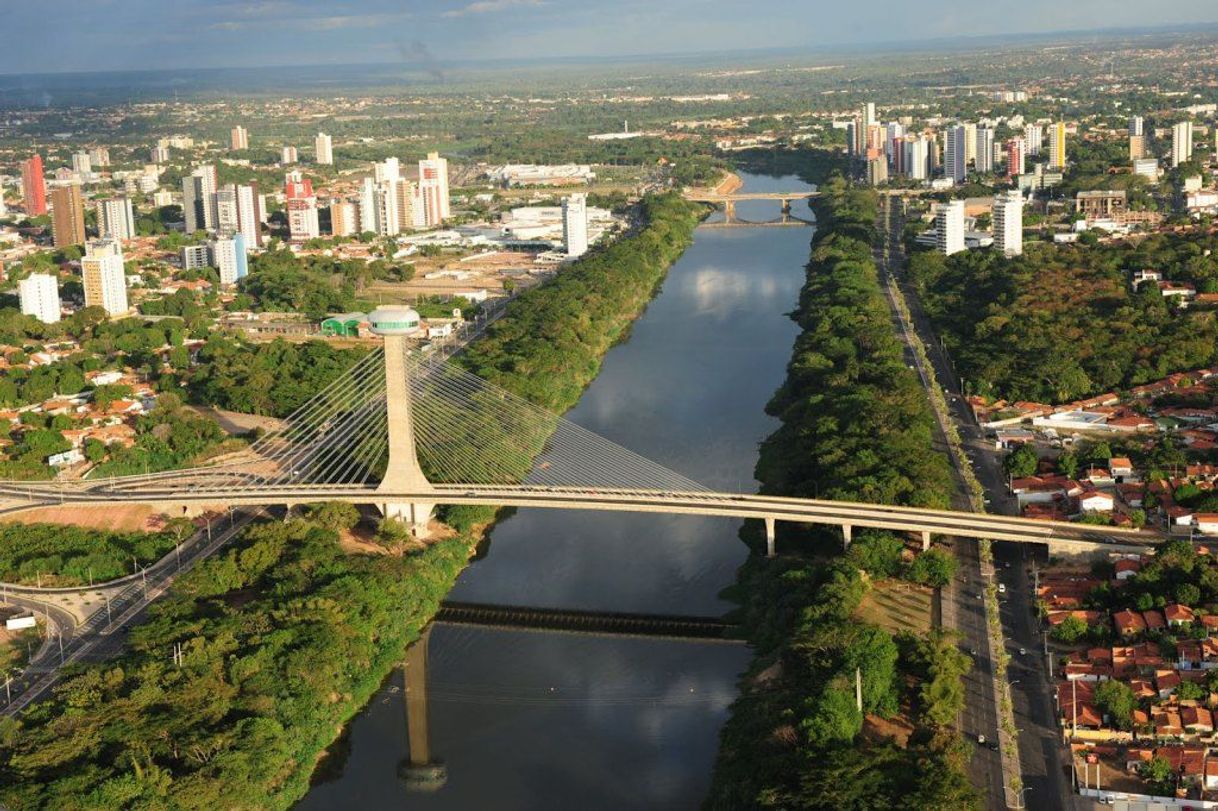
(1008, 223)
(39, 294)
(575, 225)
(949, 226)
(1181, 143)
(115, 218)
(323, 148)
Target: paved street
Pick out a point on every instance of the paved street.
(1041, 758)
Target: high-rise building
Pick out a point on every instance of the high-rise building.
(868, 115)
(116, 218)
(323, 148)
(99, 156)
(288, 155)
(239, 138)
(949, 225)
(228, 255)
(1137, 147)
(407, 194)
(199, 199)
(892, 139)
(1008, 223)
(105, 281)
(1057, 145)
(386, 210)
(81, 163)
(39, 294)
(433, 185)
(367, 206)
(160, 154)
(387, 171)
(1136, 126)
(955, 166)
(1034, 135)
(1015, 156)
(226, 210)
(917, 157)
(970, 143)
(33, 186)
(249, 216)
(3, 205)
(1181, 143)
(195, 257)
(877, 168)
(854, 137)
(67, 216)
(984, 161)
(575, 225)
(344, 219)
(302, 208)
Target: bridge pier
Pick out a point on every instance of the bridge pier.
(415, 515)
(729, 211)
(847, 536)
(402, 473)
(925, 540)
(769, 537)
(419, 771)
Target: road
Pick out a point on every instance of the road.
(963, 606)
(1041, 759)
(103, 634)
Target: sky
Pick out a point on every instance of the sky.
(45, 36)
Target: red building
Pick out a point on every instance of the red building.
(33, 187)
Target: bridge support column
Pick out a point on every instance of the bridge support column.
(729, 211)
(925, 540)
(415, 515)
(402, 473)
(769, 537)
(847, 536)
(419, 771)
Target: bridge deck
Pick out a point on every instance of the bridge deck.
(586, 622)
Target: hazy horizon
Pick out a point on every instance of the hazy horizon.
(274, 33)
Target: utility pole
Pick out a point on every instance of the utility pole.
(858, 688)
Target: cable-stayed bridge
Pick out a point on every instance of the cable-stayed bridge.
(407, 432)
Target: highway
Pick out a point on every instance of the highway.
(1040, 755)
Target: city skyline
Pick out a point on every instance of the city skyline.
(268, 33)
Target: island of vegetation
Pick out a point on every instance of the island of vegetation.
(856, 425)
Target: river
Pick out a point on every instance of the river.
(546, 720)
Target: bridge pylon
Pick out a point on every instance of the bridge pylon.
(402, 472)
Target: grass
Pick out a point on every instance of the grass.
(897, 606)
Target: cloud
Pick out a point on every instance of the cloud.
(491, 6)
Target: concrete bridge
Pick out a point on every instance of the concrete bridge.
(727, 202)
(311, 461)
(600, 623)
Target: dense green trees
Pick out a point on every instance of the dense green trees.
(169, 436)
(62, 555)
(1061, 322)
(270, 379)
(283, 638)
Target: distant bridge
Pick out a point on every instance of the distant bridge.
(607, 623)
(728, 203)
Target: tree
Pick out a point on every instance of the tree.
(1067, 464)
(1116, 698)
(1187, 594)
(877, 553)
(95, 450)
(1158, 773)
(1022, 462)
(336, 516)
(1070, 630)
(934, 567)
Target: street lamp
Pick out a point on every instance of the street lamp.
(1019, 796)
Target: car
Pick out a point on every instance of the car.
(1023, 651)
(972, 651)
(981, 739)
(1002, 588)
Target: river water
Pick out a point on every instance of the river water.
(546, 720)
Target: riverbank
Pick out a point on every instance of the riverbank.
(855, 426)
(269, 632)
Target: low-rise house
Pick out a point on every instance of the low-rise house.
(1207, 523)
(1154, 620)
(1120, 466)
(1096, 501)
(1178, 615)
(1166, 682)
(1128, 623)
(1126, 568)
